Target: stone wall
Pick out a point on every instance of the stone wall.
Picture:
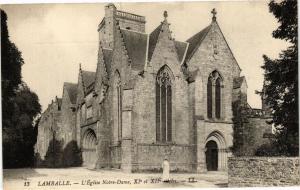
(181, 157)
(115, 154)
(263, 171)
(49, 138)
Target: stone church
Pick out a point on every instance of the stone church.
(151, 97)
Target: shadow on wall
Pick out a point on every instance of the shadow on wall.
(58, 157)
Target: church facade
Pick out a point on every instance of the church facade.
(150, 98)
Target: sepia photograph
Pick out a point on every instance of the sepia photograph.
(191, 94)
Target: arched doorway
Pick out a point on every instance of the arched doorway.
(89, 148)
(211, 155)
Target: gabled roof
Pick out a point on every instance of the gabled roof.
(88, 77)
(136, 46)
(237, 82)
(153, 37)
(180, 48)
(195, 41)
(71, 89)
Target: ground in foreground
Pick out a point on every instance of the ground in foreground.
(83, 178)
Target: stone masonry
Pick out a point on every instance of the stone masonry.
(263, 171)
(151, 97)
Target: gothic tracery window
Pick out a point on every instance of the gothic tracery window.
(164, 105)
(214, 95)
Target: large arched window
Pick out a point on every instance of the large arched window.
(214, 95)
(164, 105)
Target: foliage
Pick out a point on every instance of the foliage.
(281, 78)
(72, 155)
(19, 104)
(11, 62)
(53, 157)
(269, 149)
(20, 137)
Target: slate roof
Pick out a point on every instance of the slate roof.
(71, 89)
(136, 45)
(195, 41)
(88, 77)
(153, 37)
(237, 82)
(180, 48)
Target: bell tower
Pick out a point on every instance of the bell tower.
(106, 27)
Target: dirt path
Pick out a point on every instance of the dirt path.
(82, 178)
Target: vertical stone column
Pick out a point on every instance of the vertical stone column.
(102, 152)
(221, 159)
(126, 142)
(201, 162)
(126, 155)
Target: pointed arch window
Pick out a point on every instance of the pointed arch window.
(164, 105)
(214, 95)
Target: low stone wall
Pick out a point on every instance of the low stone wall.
(263, 171)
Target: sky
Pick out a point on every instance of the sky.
(55, 38)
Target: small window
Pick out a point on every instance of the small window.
(128, 28)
